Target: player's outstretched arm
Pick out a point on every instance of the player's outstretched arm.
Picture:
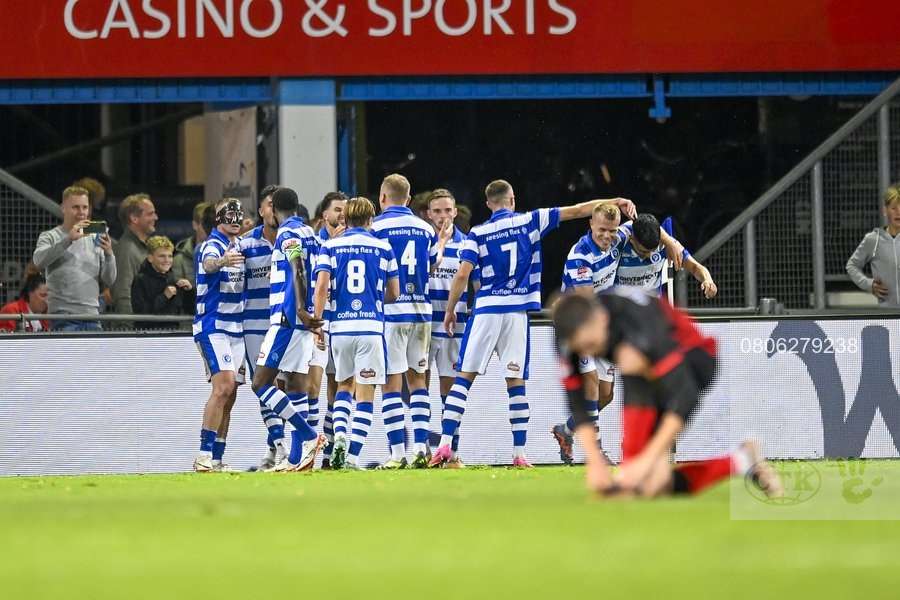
(702, 274)
(584, 210)
(460, 282)
(597, 472)
(231, 258)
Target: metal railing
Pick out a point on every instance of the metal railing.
(109, 321)
(799, 234)
(24, 214)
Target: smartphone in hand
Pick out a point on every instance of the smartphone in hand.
(95, 227)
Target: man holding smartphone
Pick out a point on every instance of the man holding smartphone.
(75, 261)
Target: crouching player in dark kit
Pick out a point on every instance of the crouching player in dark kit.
(666, 363)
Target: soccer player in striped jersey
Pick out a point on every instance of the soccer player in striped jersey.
(360, 272)
(256, 246)
(507, 248)
(407, 330)
(330, 219)
(289, 341)
(217, 327)
(591, 268)
(444, 351)
(643, 261)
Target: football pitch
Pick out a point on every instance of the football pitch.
(473, 533)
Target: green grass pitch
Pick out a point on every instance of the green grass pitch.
(474, 533)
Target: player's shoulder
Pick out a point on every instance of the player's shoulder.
(252, 238)
(583, 248)
(213, 243)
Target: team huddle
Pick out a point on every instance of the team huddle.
(381, 300)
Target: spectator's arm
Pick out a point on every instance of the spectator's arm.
(108, 269)
(858, 261)
(49, 249)
(161, 304)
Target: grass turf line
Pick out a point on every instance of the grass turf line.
(474, 533)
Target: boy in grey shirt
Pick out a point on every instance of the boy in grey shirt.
(881, 250)
(75, 263)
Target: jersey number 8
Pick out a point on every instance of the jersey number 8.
(356, 276)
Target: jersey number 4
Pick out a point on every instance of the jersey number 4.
(408, 259)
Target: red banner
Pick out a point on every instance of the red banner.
(213, 38)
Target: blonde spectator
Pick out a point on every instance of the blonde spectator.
(155, 290)
(880, 250)
(76, 262)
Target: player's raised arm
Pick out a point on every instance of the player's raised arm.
(444, 235)
(584, 210)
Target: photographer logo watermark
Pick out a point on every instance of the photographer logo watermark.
(801, 481)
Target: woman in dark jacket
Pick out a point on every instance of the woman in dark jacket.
(155, 291)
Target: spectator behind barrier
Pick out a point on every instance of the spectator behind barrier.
(156, 290)
(32, 299)
(75, 262)
(879, 249)
(97, 199)
(138, 217)
(183, 265)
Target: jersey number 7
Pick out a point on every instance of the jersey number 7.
(513, 250)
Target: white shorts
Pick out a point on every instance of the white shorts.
(604, 368)
(407, 346)
(506, 333)
(320, 357)
(445, 353)
(286, 349)
(359, 356)
(221, 352)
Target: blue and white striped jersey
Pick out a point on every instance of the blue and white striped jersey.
(257, 251)
(439, 288)
(220, 295)
(293, 236)
(645, 274)
(360, 265)
(507, 248)
(588, 265)
(415, 246)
